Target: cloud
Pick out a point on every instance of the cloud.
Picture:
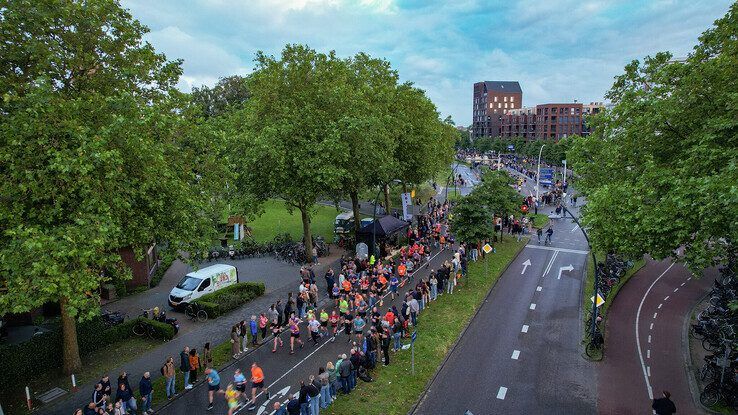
(559, 50)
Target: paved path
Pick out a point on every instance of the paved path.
(522, 352)
(646, 344)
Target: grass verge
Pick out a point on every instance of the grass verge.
(395, 389)
(589, 290)
(277, 220)
(539, 219)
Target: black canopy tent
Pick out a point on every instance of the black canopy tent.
(385, 227)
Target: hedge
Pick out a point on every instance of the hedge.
(229, 298)
(46, 348)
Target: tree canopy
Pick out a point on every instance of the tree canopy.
(91, 158)
(660, 169)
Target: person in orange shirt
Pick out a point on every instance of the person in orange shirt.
(401, 270)
(346, 286)
(257, 382)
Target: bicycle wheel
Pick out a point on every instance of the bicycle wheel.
(202, 316)
(592, 347)
(707, 345)
(710, 396)
(190, 312)
(139, 329)
(151, 332)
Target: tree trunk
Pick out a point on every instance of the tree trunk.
(404, 187)
(387, 198)
(307, 237)
(355, 206)
(71, 361)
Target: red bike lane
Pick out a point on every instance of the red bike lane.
(645, 348)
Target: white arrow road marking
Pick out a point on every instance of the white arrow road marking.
(526, 264)
(569, 267)
(502, 392)
(282, 392)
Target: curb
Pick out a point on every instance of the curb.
(691, 379)
(458, 338)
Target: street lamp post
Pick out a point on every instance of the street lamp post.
(538, 174)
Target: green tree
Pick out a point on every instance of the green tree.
(660, 169)
(90, 162)
(288, 139)
(230, 93)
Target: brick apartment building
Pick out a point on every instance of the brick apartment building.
(498, 112)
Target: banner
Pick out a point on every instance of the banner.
(407, 204)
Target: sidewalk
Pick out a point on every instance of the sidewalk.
(279, 277)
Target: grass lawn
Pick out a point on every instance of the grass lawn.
(93, 366)
(589, 289)
(539, 219)
(276, 220)
(395, 389)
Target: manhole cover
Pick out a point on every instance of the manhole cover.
(50, 395)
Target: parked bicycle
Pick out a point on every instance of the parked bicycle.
(196, 313)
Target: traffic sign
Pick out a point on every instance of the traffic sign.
(600, 300)
(524, 208)
(487, 248)
(412, 193)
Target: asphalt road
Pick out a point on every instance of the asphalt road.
(521, 354)
(283, 371)
(646, 340)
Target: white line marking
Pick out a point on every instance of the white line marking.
(515, 355)
(539, 288)
(648, 354)
(550, 263)
(683, 284)
(666, 298)
(548, 248)
(659, 307)
(651, 328)
(574, 228)
(689, 278)
(648, 370)
(649, 338)
(655, 314)
(638, 339)
(676, 289)
(502, 392)
(532, 306)
(524, 329)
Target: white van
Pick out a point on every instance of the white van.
(204, 281)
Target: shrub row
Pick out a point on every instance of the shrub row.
(229, 298)
(44, 351)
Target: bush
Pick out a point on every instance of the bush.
(44, 351)
(229, 298)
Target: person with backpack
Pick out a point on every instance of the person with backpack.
(170, 375)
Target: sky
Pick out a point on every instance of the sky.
(559, 50)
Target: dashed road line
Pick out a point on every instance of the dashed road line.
(683, 284)
(649, 338)
(676, 289)
(648, 354)
(539, 288)
(651, 327)
(659, 307)
(666, 298)
(524, 329)
(502, 392)
(648, 370)
(655, 314)
(532, 306)
(515, 354)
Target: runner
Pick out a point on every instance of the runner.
(334, 323)
(314, 329)
(213, 385)
(393, 283)
(239, 380)
(276, 330)
(324, 321)
(359, 325)
(231, 396)
(294, 333)
(257, 382)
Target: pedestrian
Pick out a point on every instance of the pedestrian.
(304, 404)
(231, 396)
(414, 307)
(276, 330)
(294, 324)
(433, 286)
(235, 342)
(254, 331)
(257, 382)
(243, 328)
(184, 366)
(664, 405)
(146, 390)
(207, 355)
(90, 409)
(263, 322)
(98, 397)
(385, 342)
(213, 379)
(313, 390)
(325, 388)
(332, 379)
(126, 398)
(170, 375)
(293, 405)
(194, 366)
(280, 313)
(539, 233)
(289, 308)
(273, 314)
(315, 255)
(106, 388)
(279, 409)
(344, 371)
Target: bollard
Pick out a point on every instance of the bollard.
(74, 383)
(28, 399)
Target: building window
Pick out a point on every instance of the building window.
(505, 98)
(495, 98)
(512, 99)
(499, 105)
(506, 105)
(491, 105)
